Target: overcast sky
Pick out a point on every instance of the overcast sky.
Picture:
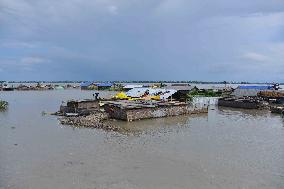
(233, 40)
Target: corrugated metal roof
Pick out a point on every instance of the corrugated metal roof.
(164, 93)
(132, 86)
(181, 88)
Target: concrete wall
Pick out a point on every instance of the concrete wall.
(201, 101)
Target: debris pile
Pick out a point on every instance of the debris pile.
(84, 113)
(277, 109)
(94, 120)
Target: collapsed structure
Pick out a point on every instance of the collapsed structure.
(136, 104)
(152, 102)
(131, 111)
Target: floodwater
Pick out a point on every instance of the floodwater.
(226, 149)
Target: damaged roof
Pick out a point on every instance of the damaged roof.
(163, 93)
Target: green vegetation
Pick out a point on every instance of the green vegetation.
(203, 93)
(3, 105)
(116, 87)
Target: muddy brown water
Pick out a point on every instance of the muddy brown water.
(226, 149)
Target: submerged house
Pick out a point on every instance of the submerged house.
(80, 107)
(95, 86)
(242, 91)
(145, 103)
(182, 91)
(103, 86)
(86, 85)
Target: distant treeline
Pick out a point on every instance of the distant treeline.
(169, 81)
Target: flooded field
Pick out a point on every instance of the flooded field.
(226, 149)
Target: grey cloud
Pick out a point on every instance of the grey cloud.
(155, 39)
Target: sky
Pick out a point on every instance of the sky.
(220, 40)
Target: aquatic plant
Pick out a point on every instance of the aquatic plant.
(3, 105)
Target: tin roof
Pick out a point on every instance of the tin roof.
(181, 87)
(163, 93)
(132, 86)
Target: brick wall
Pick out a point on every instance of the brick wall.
(146, 113)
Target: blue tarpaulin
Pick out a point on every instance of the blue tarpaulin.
(86, 84)
(104, 84)
(256, 87)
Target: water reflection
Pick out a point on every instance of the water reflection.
(243, 112)
(154, 126)
(226, 148)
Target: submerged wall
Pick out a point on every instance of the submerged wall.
(146, 113)
(239, 104)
